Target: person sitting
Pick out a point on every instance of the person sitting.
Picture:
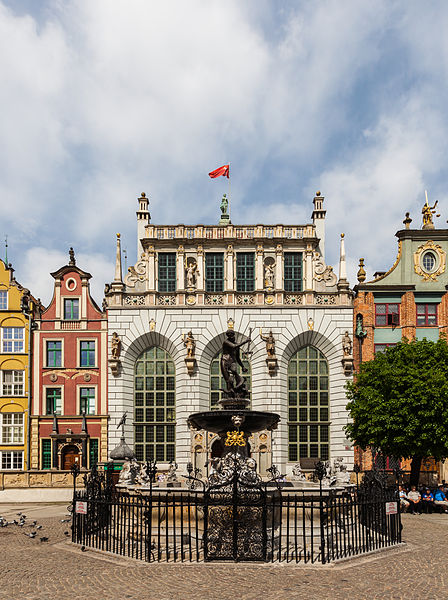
(415, 500)
(440, 499)
(427, 501)
(404, 502)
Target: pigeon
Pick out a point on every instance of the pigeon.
(18, 514)
(83, 548)
(66, 533)
(43, 539)
(31, 535)
(65, 520)
(39, 527)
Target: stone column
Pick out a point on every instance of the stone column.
(151, 269)
(308, 264)
(201, 268)
(279, 267)
(180, 268)
(259, 269)
(229, 275)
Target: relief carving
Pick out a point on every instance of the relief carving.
(324, 276)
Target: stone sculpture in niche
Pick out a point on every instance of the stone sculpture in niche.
(347, 359)
(191, 274)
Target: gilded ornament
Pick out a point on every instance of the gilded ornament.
(235, 438)
(418, 256)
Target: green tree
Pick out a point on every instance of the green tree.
(398, 402)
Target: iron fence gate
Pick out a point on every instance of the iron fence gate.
(239, 520)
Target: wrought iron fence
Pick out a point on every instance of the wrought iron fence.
(238, 521)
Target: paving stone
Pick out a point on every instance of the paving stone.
(56, 570)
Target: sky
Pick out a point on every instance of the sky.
(102, 100)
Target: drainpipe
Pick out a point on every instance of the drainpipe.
(28, 431)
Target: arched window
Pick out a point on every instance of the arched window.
(155, 406)
(218, 383)
(308, 407)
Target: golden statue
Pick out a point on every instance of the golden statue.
(427, 212)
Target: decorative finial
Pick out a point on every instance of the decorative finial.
(143, 195)
(342, 235)
(118, 235)
(362, 272)
(72, 261)
(318, 193)
(407, 221)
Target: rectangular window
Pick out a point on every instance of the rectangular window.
(71, 309)
(54, 401)
(214, 272)
(382, 347)
(11, 428)
(12, 461)
(387, 314)
(12, 383)
(13, 339)
(87, 401)
(426, 315)
(54, 354)
(293, 271)
(245, 272)
(93, 453)
(87, 354)
(46, 454)
(167, 271)
(3, 300)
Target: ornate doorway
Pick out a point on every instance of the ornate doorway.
(70, 455)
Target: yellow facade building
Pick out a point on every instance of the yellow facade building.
(15, 326)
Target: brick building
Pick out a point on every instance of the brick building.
(409, 300)
(69, 418)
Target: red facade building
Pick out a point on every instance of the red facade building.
(69, 417)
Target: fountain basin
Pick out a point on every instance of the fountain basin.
(218, 421)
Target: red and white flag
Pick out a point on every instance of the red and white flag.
(221, 171)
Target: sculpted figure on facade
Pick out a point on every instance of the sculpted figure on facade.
(323, 274)
(115, 346)
(224, 205)
(191, 274)
(270, 343)
(347, 344)
(190, 344)
(268, 276)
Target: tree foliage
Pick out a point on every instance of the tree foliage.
(398, 402)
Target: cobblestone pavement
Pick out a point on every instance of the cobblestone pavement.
(56, 569)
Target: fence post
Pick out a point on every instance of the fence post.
(319, 472)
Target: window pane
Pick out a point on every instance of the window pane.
(214, 272)
(154, 435)
(167, 271)
(313, 399)
(245, 272)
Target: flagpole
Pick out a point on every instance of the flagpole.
(230, 220)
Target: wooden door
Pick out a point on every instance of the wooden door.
(70, 456)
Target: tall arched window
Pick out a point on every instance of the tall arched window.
(217, 382)
(155, 406)
(308, 407)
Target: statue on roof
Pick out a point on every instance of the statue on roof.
(427, 212)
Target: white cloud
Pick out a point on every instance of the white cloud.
(39, 262)
(105, 99)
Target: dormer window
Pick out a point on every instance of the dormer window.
(71, 309)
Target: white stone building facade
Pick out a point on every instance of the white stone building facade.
(206, 279)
